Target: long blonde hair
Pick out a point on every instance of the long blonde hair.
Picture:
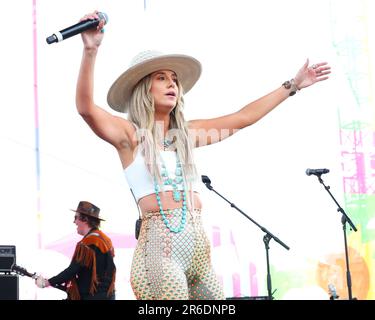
(141, 113)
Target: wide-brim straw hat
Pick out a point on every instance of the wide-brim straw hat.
(88, 209)
(187, 69)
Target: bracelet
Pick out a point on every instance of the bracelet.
(290, 84)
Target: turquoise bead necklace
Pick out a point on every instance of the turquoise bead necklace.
(167, 143)
(175, 183)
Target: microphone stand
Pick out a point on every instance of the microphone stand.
(266, 239)
(344, 220)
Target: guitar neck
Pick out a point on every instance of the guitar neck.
(23, 272)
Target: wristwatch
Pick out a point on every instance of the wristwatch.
(289, 84)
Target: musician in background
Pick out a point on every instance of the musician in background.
(92, 271)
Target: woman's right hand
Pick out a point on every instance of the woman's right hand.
(92, 38)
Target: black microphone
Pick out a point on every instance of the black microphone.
(317, 172)
(206, 180)
(77, 28)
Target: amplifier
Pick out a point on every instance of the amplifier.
(7, 257)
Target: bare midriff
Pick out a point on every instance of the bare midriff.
(148, 203)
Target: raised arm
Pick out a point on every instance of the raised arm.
(208, 131)
(112, 129)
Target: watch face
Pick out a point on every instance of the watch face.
(287, 84)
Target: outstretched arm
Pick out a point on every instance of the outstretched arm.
(112, 129)
(208, 131)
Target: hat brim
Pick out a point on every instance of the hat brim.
(187, 69)
(84, 213)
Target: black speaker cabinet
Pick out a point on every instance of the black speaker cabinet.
(8, 287)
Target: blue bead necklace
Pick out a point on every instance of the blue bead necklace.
(167, 143)
(175, 183)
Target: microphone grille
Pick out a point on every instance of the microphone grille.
(206, 179)
(104, 16)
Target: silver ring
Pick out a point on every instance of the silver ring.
(314, 66)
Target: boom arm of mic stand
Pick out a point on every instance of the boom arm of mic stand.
(270, 235)
(339, 208)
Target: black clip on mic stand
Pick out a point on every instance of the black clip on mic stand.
(344, 220)
(266, 239)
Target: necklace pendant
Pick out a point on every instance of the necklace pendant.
(167, 143)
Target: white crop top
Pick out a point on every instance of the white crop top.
(139, 178)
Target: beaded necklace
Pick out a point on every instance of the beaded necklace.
(175, 183)
(167, 143)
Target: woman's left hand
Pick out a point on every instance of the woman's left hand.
(306, 76)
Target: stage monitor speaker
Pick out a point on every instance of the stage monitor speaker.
(8, 287)
(7, 257)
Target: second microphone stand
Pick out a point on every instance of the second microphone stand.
(266, 239)
(344, 219)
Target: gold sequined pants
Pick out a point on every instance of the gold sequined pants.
(168, 265)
